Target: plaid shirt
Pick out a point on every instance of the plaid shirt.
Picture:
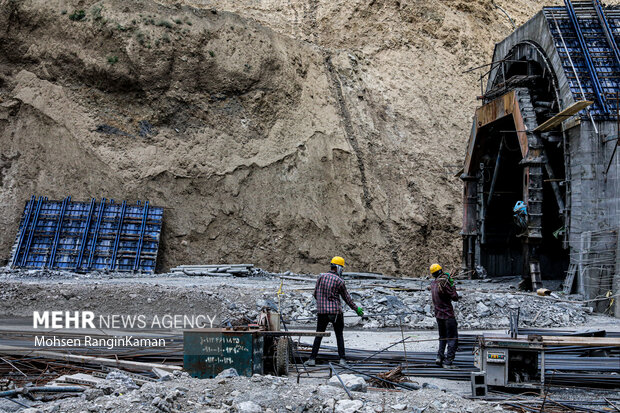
(328, 290)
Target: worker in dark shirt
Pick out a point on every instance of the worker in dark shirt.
(443, 293)
(328, 290)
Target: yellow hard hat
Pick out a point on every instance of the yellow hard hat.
(435, 267)
(338, 261)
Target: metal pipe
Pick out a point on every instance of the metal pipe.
(50, 389)
(350, 316)
(16, 402)
(388, 347)
(331, 366)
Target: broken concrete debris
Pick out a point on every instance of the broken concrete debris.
(245, 394)
(477, 309)
(393, 302)
(353, 383)
(227, 374)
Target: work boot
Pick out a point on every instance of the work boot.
(439, 361)
(343, 362)
(448, 365)
(310, 363)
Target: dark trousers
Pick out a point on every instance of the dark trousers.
(448, 335)
(322, 321)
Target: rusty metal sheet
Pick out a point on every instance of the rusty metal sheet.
(208, 352)
(496, 109)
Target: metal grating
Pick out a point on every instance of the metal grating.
(591, 33)
(87, 236)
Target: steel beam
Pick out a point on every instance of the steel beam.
(598, 89)
(33, 228)
(61, 217)
(20, 239)
(145, 216)
(118, 235)
(93, 247)
(89, 218)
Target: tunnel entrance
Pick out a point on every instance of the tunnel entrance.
(501, 185)
(509, 161)
(501, 182)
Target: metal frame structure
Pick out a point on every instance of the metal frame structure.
(598, 90)
(589, 53)
(58, 230)
(60, 235)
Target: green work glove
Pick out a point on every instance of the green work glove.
(360, 312)
(450, 280)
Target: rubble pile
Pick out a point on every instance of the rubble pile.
(15, 273)
(249, 395)
(413, 309)
(386, 303)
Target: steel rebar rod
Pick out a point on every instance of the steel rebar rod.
(331, 366)
(401, 385)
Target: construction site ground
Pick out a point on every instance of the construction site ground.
(396, 309)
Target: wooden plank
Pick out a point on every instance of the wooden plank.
(562, 116)
(581, 341)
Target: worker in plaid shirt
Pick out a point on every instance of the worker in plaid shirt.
(328, 290)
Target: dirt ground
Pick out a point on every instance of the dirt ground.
(230, 298)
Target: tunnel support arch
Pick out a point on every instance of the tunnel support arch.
(516, 107)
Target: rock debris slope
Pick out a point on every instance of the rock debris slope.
(278, 133)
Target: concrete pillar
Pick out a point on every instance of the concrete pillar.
(616, 279)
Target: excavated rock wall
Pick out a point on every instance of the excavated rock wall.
(278, 133)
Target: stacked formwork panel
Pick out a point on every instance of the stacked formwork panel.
(87, 236)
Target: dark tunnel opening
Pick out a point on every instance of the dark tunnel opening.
(501, 240)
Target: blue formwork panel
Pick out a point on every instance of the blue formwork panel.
(88, 236)
(586, 36)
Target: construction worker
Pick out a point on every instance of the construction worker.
(327, 292)
(443, 293)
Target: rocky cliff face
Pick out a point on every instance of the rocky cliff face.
(273, 132)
